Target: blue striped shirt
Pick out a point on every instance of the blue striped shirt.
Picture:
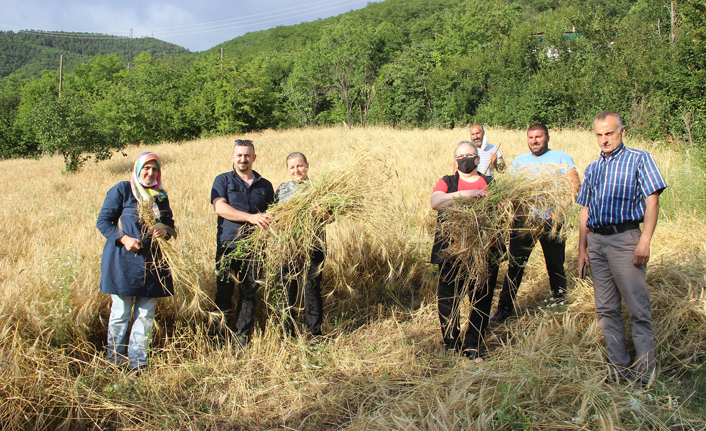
(615, 187)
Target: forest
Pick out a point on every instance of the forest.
(28, 53)
(401, 63)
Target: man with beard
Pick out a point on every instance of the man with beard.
(465, 182)
(542, 161)
(240, 198)
(491, 159)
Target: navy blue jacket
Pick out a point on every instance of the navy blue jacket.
(126, 273)
(251, 199)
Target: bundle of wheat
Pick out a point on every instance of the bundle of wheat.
(298, 225)
(189, 298)
(475, 227)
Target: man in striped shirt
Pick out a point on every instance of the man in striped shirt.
(620, 190)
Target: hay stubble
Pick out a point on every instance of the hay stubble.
(383, 366)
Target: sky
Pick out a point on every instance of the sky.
(195, 25)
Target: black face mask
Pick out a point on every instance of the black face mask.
(467, 164)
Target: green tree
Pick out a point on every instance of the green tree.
(352, 58)
(227, 96)
(11, 145)
(66, 126)
(94, 79)
(146, 102)
(304, 90)
(687, 82)
(407, 101)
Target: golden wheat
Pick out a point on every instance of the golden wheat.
(383, 366)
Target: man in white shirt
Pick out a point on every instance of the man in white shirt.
(491, 159)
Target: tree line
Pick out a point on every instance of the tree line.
(401, 63)
(29, 52)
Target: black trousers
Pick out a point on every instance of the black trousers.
(246, 271)
(520, 250)
(291, 278)
(449, 296)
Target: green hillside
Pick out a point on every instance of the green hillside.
(28, 53)
(410, 17)
(402, 63)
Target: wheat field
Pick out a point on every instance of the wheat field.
(383, 366)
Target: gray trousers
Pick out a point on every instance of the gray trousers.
(616, 277)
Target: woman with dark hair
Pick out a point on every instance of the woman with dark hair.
(128, 269)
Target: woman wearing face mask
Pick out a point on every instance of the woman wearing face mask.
(292, 274)
(466, 182)
(128, 272)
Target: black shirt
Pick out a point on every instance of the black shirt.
(251, 199)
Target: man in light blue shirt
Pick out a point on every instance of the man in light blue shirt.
(542, 161)
(539, 163)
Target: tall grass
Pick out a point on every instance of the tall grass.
(383, 366)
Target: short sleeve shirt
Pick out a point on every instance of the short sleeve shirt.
(479, 184)
(563, 161)
(288, 189)
(484, 162)
(550, 163)
(251, 199)
(615, 187)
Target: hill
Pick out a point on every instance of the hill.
(29, 52)
(401, 63)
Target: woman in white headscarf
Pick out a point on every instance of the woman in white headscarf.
(128, 271)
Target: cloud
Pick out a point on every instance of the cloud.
(195, 25)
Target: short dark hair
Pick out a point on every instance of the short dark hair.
(538, 126)
(294, 155)
(605, 114)
(243, 143)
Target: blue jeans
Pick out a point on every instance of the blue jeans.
(133, 346)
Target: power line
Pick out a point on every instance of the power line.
(207, 27)
(249, 16)
(212, 29)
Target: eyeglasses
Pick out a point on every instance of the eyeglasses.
(461, 156)
(244, 143)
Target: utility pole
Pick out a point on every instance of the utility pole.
(61, 67)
